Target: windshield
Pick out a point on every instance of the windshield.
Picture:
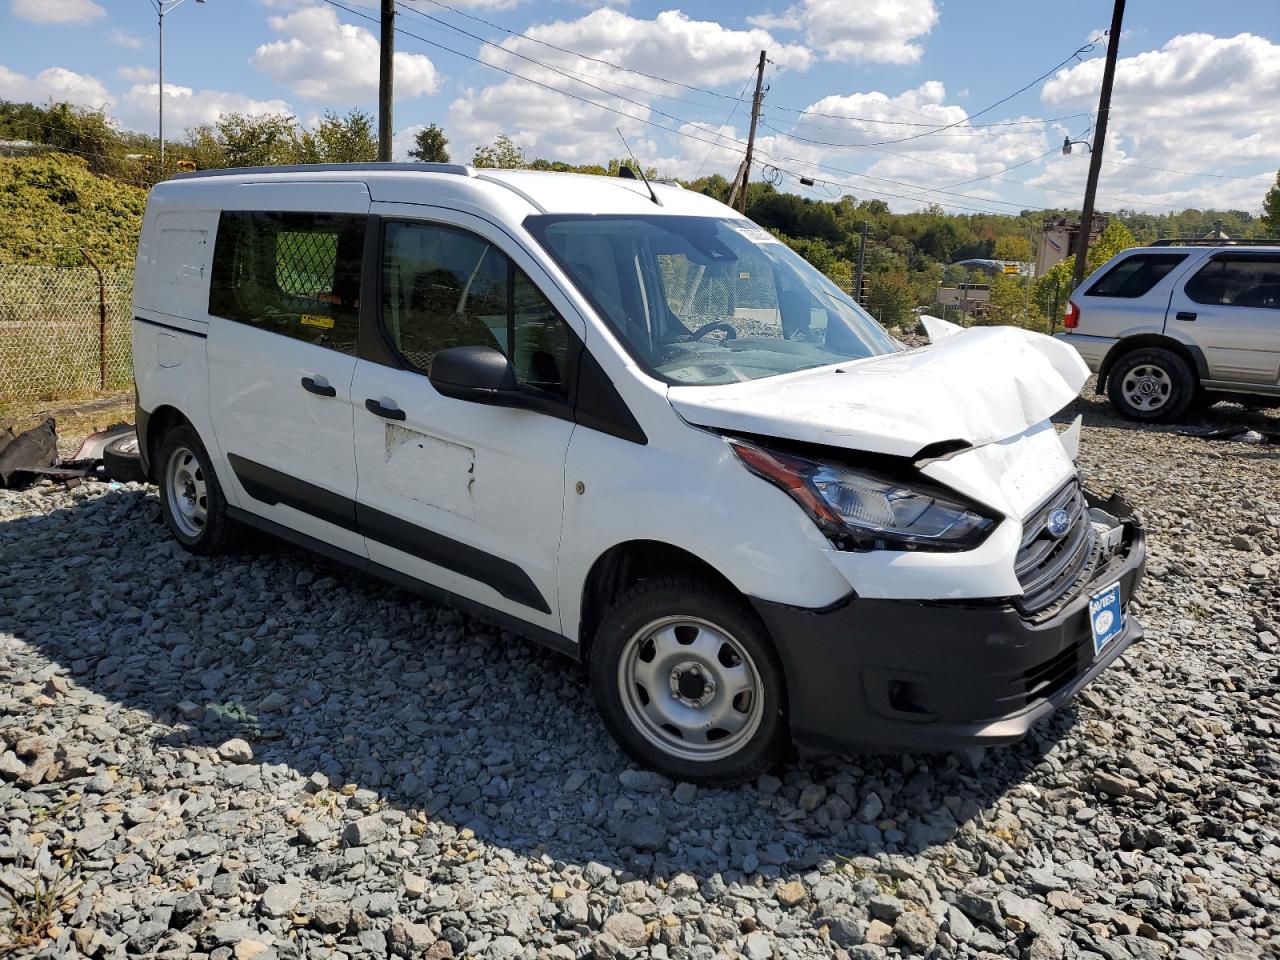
(708, 300)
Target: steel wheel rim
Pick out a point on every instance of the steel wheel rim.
(1147, 387)
(129, 446)
(660, 666)
(186, 492)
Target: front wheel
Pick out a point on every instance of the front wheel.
(688, 683)
(1151, 384)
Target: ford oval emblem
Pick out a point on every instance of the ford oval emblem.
(1058, 524)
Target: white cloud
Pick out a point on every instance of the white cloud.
(883, 32)
(57, 11)
(1200, 103)
(55, 83)
(185, 107)
(137, 74)
(127, 40)
(553, 125)
(323, 59)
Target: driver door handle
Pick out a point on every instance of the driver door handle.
(1185, 315)
(390, 413)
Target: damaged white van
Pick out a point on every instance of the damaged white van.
(626, 422)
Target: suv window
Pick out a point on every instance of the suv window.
(446, 287)
(295, 274)
(1237, 281)
(1135, 275)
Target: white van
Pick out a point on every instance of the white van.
(629, 423)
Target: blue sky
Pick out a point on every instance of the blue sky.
(1196, 120)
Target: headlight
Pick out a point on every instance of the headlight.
(862, 511)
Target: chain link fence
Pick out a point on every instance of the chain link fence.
(64, 331)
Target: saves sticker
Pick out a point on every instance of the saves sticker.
(315, 320)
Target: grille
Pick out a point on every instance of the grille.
(1048, 567)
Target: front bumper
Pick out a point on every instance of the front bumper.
(895, 675)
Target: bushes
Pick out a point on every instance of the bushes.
(51, 205)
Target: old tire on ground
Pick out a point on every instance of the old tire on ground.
(121, 461)
(1151, 384)
(191, 500)
(687, 681)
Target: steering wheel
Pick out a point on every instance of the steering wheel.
(729, 332)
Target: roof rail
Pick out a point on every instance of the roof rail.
(458, 169)
(1211, 242)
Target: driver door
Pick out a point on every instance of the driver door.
(466, 496)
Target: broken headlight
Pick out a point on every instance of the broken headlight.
(860, 510)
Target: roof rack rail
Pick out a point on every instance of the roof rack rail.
(1211, 242)
(458, 169)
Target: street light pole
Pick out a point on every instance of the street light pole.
(162, 7)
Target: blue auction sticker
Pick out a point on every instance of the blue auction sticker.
(1106, 619)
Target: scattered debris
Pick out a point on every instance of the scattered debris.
(24, 453)
(1235, 434)
(33, 454)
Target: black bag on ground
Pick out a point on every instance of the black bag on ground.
(37, 447)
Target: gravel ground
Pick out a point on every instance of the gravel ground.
(264, 756)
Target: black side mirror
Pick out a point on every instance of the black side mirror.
(476, 374)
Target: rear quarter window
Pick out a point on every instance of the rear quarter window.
(1135, 276)
(294, 274)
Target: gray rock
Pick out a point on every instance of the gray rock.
(627, 929)
(916, 931)
(279, 899)
(366, 830)
(236, 751)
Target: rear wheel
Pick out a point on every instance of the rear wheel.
(688, 683)
(195, 511)
(1151, 384)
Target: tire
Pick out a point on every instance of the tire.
(191, 499)
(653, 655)
(1151, 384)
(121, 461)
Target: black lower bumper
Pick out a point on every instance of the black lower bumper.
(904, 675)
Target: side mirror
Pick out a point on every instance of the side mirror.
(475, 374)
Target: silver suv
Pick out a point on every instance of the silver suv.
(1182, 324)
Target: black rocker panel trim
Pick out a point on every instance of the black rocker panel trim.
(541, 635)
(273, 487)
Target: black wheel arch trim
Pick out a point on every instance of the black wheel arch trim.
(273, 487)
(1121, 347)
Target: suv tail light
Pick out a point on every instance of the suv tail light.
(1071, 319)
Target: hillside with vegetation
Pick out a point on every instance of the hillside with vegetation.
(92, 194)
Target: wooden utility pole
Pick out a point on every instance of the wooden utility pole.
(1099, 144)
(386, 80)
(751, 136)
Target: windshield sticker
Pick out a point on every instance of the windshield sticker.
(753, 232)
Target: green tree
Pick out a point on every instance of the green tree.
(889, 298)
(258, 140)
(1115, 238)
(502, 154)
(430, 145)
(1008, 303)
(1012, 247)
(1271, 209)
(337, 139)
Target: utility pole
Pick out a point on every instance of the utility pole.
(386, 64)
(862, 259)
(751, 136)
(1099, 143)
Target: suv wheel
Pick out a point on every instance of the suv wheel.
(195, 511)
(1151, 384)
(688, 683)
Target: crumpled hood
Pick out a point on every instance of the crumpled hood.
(980, 385)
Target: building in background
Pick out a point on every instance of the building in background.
(1058, 241)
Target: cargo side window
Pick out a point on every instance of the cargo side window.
(1237, 281)
(1134, 276)
(295, 274)
(446, 287)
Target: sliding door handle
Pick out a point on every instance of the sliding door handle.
(319, 386)
(1185, 315)
(390, 413)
